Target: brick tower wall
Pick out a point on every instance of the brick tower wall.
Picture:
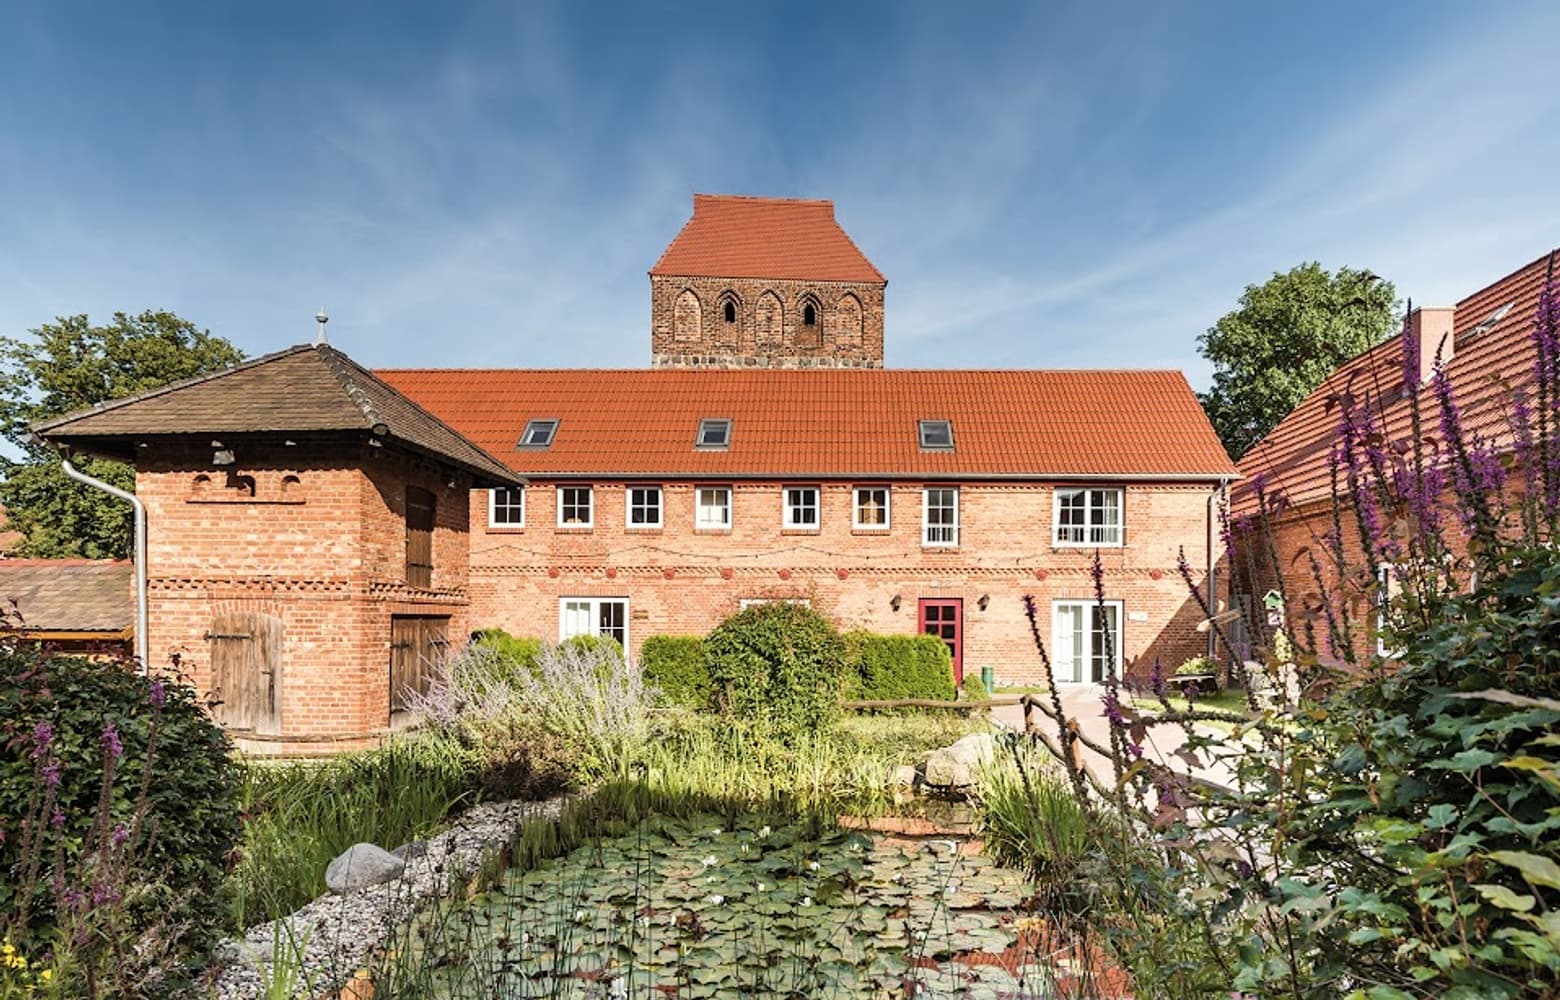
(689, 328)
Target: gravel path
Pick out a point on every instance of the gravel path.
(337, 933)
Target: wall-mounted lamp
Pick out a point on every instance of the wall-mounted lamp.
(893, 602)
(983, 600)
(222, 456)
(450, 483)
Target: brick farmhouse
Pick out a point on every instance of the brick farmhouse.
(1484, 344)
(319, 533)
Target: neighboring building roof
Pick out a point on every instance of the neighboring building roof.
(67, 595)
(832, 423)
(732, 236)
(1492, 353)
(308, 388)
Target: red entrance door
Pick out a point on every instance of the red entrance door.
(944, 618)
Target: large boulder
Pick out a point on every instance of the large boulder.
(361, 866)
(956, 766)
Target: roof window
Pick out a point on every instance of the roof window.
(1493, 319)
(538, 433)
(714, 432)
(937, 435)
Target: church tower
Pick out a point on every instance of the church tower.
(765, 283)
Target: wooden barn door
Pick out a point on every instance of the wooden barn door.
(246, 670)
(417, 645)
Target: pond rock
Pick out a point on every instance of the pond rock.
(361, 866)
(411, 850)
(956, 766)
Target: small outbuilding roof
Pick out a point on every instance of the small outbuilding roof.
(308, 388)
(72, 596)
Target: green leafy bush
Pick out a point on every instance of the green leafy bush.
(900, 666)
(975, 688)
(778, 664)
(118, 804)
(678, 667)
(602, 646)
(522, 652)
(1197, 666)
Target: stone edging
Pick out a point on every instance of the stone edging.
(336, 934)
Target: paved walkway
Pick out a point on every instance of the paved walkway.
(1083, 705)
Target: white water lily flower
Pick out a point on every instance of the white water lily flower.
(710, 862)
(806, 900)
(762, 887)
(764, 832)
(716, 899)
(715, 832)
(812, 866)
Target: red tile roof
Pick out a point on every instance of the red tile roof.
(1492, 353)
(832, 424)
(731, 236)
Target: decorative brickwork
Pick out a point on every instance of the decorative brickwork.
(768, 328)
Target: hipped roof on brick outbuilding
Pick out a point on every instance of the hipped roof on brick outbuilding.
(310, 388)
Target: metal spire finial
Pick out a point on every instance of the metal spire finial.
(321, 318)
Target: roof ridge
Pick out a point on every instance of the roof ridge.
(333, 364)
(114, 404)
(760, 198)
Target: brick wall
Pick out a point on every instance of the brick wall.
(679, 580)
(311, 533)
(769, 331)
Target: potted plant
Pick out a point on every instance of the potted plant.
(1201, 671)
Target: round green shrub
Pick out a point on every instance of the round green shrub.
(777, 664)
(975, 688)
(522, 652)
(891, 667)
(590, 644)
(678, 667)
(170, 762)
(1197, 666)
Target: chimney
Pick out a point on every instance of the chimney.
(1432, 330)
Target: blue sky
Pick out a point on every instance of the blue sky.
(486, 185)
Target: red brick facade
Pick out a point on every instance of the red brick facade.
(312, 533)
(768, 328)
(681, 580)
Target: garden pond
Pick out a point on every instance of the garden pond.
(700, 907)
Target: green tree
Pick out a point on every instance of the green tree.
(1287, 336)
(67, 365)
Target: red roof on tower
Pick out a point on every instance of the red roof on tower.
(735, 236)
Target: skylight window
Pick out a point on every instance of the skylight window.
(538, 433)
(714, 432)
(1494, 318)
(937, 435)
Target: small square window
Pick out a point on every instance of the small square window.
(538, 433)
(801, 507)
(644, 506)
(871, 508)
(937, 435)
(506, 507)
(714, 432)
(575, 506)
(712, 507)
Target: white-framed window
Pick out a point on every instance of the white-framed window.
(749, 602)
(607, 616)
(869, 508)
(576, 506)
(506, 507)
(1388, 585)
(1085, 641)
(1086, 517)
(801, 507)
(714, 432)
(712, 507)
(644, 507)
(940, 516)
(936, 435)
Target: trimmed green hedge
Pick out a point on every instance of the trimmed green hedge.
(678, 666)
(899, 666)
(777, 664)
(522, 652)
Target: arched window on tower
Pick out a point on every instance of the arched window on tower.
(809, 315)
(809, 332)
(687, 316)
(730, 311)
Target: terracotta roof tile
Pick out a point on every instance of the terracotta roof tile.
(1492, 353)
(67, 595)
(311, 387)
(731, 236)
(832, 424)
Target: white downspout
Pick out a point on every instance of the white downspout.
(1213, 594)
(140, 550)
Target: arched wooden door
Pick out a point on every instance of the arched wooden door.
(246, 670)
